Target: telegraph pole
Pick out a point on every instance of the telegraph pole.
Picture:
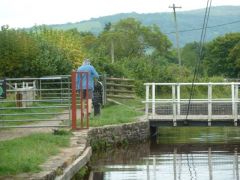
(176, 27)
(112, 51)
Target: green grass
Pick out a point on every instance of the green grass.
(199, 92)
(115, 114)
(185, 135)
(112, 113)
(132, 103)
(23, 155)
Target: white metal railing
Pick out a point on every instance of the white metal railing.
(177, 107)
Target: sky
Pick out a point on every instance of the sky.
(27, 13)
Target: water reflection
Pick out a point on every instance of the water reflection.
(173, 162)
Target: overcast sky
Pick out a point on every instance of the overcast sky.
(27, 13)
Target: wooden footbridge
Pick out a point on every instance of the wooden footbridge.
(212, 104)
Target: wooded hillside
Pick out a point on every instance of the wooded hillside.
(225, 18)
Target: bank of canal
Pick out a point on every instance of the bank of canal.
(178, 153)
(67, 163)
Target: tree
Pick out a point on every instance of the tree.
(155, 39)
(234, 57)
(190, 54)
(131, 39)
(68, 41)
(220, 56)
(39, 51)
(50, 61)
(17, 49)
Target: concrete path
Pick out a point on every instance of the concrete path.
(12, 133)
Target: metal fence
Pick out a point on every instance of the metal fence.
(36, 102)
(209, 101)
(42, 102)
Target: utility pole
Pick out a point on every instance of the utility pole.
(112, 51)
(176, 27)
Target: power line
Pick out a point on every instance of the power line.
(208, 27)
(204, 31)
(202, 40)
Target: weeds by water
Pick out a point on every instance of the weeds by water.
(82, 174)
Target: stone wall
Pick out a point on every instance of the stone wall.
(115, 134)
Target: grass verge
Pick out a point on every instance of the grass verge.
(116, 114)
(23, 155)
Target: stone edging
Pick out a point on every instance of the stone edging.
(131, 132)
(115, 134)
(72, 159)
(81, 161)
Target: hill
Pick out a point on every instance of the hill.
(223, 19)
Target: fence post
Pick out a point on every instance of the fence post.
(232, 88)
(74, 114)
(104, 89)
(153, 100)
(236, 105)
(209, 103)
(174, 104)
(40, 87)
(81, 76)
(81, 98)
(178, 99)
(69, 100)
(61, 91)
(147, 101)
(87, 94)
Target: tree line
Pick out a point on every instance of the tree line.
(124, 49)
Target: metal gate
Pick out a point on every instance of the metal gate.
(77, 95)
(36, 102)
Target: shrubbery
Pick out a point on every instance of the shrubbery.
(125, 49)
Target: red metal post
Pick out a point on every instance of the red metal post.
(81, 99)
(87, 79)
(82, 105)
(74, 114)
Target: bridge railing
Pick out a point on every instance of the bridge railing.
(209, 101)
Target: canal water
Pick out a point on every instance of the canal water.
(176, 154)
